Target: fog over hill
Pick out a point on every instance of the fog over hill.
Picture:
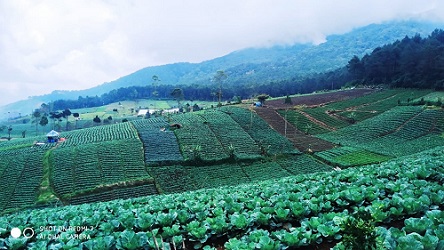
(257, 65)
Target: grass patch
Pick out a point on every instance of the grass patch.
(46, 192)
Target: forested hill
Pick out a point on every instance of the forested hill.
(253, 67)
(414, 62)
(263, 65)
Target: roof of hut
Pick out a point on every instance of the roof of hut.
(52, 133)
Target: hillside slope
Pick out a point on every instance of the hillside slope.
(226, 146)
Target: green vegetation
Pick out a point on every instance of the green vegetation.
(114, 161)
(225, 178)
(303, 210)
(20, 176)
(349, 156)
(195, 136)
(412, 62)
(82, 169)
(302, 122)
(231, 135)
(400, 131)
(266, 137)
(159, 142)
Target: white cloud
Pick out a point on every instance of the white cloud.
(55, 44)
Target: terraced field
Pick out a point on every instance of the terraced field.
(400, 131)
(227, 146)
(21, 172)
(178, 178)
(398, 202)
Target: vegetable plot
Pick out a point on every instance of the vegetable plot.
(233, 138)
(373, 128)
(160, 143)
(120, 131)
(21, 172)
(302, 123)
(79, 170)
(196, 139)
(260, 131)
(287, 213)
(349, 156)
(173, 179)
(400, 131)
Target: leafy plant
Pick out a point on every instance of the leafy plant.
(359, 231)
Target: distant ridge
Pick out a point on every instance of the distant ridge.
(257, 65)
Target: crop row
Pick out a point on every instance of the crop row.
(373, 128)
(120, 131)
(23, 143)
(396, 132)
(160, 143)
(290, 212)
(196, 139)
(216, 176)
(388, 103)
(397, 148)
(349, 156)
(88, 166)
(363, 100)
(172, 179)
(260, 131)
(20, 176)
(303, 164)
(420, 125)
(124, 192)
(387, 98)
(231, 135)
(366, 107)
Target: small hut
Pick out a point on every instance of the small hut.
(53, 136)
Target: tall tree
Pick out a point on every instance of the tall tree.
(36, 114)
(43, 121)
(355, 68)
(97, 120)
(66, 114)
(262, 98)
(9, 132)
(218, 79)
(156, 81)
(177, 93)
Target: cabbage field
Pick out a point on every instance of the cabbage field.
(364, 169)
(402, 199)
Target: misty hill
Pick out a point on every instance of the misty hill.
(262, 65)
(255, 65)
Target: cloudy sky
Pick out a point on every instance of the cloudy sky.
(48, 45)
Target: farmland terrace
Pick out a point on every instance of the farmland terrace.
(233, 146)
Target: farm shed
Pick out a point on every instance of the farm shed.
(53, 136)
